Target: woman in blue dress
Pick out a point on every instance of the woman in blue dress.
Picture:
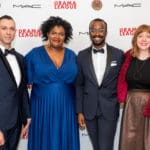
(51, 71)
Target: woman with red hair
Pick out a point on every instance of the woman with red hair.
(134, 93)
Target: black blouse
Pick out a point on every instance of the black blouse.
(138, 74)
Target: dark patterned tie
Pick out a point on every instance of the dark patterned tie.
(98, 50)
(10, 51)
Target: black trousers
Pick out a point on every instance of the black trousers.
(11, 138)
(101, 132)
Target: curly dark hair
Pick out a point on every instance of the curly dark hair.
(53, 21)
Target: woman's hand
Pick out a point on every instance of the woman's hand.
(122, 105)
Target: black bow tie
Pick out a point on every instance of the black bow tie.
(98, 50)
(10, 51)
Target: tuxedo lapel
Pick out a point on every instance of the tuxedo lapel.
(108, 61)
(7, 66)
(91, 67)
(20, 65)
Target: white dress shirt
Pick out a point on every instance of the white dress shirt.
(99, 63)
(14, 66)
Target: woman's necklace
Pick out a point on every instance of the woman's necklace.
(137, 75)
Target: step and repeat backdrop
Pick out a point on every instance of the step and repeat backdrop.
(122, 16)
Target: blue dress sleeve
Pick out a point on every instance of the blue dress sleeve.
(29, 67)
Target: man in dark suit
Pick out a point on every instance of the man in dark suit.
(14, 99)
(96, 100)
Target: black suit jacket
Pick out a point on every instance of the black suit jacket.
(89, 94)
(14, 101)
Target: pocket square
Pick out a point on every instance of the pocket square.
(113, 63)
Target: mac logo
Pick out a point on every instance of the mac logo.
(27, 6)
(128, 5)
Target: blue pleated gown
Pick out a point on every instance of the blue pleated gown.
(54, 125)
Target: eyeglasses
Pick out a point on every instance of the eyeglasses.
(100, 30)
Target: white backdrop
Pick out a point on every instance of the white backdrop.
(122, 16)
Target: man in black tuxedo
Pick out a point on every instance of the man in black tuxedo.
(96, 100)
(14, 99)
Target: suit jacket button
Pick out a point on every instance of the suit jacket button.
(99, 88)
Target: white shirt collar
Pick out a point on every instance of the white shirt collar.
(3, 48)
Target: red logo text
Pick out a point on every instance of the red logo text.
(127, 31)
(65, 5)
(29, 32)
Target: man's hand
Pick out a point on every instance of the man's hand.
(2, 139)
(24, 131)
(81, 121)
